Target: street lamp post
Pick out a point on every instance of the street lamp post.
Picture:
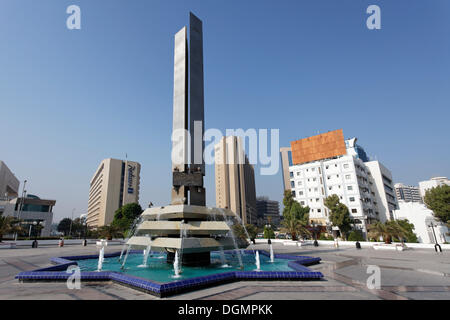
(314, 229)
(21, 205)
(35, 242)
(71, 221)
(437, 247)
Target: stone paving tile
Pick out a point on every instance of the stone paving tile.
(344, 271)
(310, 296)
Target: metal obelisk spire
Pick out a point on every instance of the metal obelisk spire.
(188, 177)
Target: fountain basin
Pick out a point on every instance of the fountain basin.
(189, 280)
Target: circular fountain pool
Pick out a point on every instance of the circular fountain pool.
(157, 269)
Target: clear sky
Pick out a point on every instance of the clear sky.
(70, 98)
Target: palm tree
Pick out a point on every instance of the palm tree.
(9, 225)
(110, 232)
(294, 227)
(240, 235)
(386, 230)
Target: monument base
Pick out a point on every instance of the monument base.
(191, 259)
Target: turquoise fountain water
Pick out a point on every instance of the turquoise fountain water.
(159, 270)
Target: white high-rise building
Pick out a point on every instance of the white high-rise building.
(383, 187)
(407, 193)
(433, 182)
(365, 187)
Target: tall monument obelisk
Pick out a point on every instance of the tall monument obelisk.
(188, 175)
(186, 229)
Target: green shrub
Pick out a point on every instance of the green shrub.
(324, 236)
(269, 233)
(355, 235)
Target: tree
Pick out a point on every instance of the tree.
(110, 232)
(339, 214)
(78, 227)
(295, 217)
(268, 233)
(125, 216)
(64, 226)
(9, 225)
(240, 235)
(437, 199)
(410, 236)
(387, 231)
(252, 231)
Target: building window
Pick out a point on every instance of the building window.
(349, 188)
(314, 179)
(354, 211)
(317, 199)
(298, 173)
(299, 183)
(337, 176)
(345, 165)
(291, 174)
(352, 199)
(293, 194)
(330, 188)
(347, 176)
(315, 189)
(319, 210)
(302, 203)
(300, 193)
(292, 184)
(326, 167)
(313, 169)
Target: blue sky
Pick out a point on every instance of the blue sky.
(70, 98)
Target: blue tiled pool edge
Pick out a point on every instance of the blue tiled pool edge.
(57, 272)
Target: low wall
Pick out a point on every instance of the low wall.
(55, 242)
(364, 244)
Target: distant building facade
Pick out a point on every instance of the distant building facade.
(407, 193)
(30, 210)
(9, 184)
(114, 184)
(432, 183)
(268, 212)
(328, 164)
(235, 179)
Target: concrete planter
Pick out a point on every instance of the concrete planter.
(391, 247)
(10, 245)
(292, 243)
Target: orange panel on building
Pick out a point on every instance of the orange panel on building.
(322, 146)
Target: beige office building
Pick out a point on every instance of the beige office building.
(235, 179)
(9, 184)
(114, 184)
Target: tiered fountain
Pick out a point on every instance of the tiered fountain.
(192, 230)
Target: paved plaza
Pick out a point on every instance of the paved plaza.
(411, 274)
